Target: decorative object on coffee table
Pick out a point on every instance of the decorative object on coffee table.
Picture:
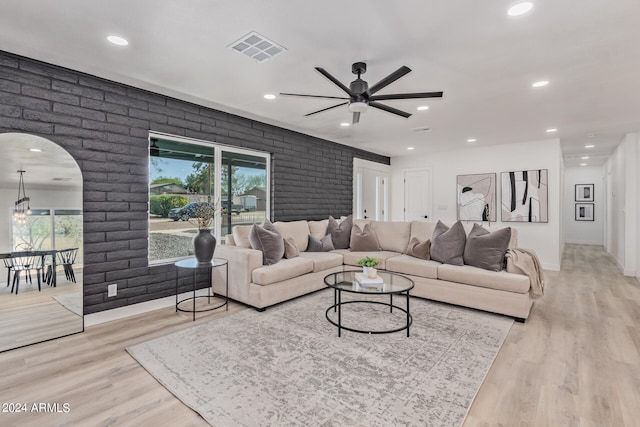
(368, 265)
(204, 243)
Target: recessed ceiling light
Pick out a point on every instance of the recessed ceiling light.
(269, 96)
(520, 8)
(35, 150)
(585, 157)
(589, 146)
(471, 140)
(117, 40)
(540, 83)
(345, 124)
(583, 164)
(423, 108)
(410, 148)
(552, 130)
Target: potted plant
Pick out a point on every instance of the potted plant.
(368, 265)
(204, 243)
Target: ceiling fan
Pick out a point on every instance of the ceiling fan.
(361, 96)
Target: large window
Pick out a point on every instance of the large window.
(184, 171)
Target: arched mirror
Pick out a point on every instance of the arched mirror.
(40, 241)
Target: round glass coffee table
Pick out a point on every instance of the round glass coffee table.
(391, 284)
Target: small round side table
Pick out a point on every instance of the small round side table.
(193, 265)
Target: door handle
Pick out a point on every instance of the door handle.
(365, 217)
(426, 216)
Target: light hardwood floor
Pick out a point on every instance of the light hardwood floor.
(575, 362)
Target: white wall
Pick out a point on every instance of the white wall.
(622, 222)
(545, 238)
(584, 232)
(637, 237)
(40, 199)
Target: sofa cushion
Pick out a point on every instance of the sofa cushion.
(240, 235)
(393, 236)
(285, 269)
(486, 250)
(447, 244)
(320, 245)
(418, 248)
(475, 276)
(290, 248)
(270, 243)
(364, 240)
(323, 260)
(405, 264)
(318, 229)
(340, 232)
(351, 258)
(298, 230)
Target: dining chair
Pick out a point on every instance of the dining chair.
(6, 259)
(67, 257)
(25, 262)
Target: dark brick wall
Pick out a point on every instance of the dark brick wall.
(104, 125)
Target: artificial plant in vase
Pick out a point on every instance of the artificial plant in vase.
(368, 265)
(204, 243)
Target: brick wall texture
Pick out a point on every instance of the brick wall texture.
(104, 125)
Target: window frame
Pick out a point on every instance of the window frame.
(218, 149)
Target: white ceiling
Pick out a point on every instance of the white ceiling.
(483, 60)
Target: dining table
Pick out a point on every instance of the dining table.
(49, 274)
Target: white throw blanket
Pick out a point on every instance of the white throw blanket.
(525, 261)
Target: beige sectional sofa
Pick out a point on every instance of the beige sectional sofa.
(261, 286)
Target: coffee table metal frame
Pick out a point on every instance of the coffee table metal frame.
(349, 284)
(194, 265)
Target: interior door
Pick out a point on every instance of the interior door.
(417, 195)
(371, 198)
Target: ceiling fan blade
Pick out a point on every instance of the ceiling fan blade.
(400, 72)
(406, 96)
(335, 81)
(313, 96)
(389, 109)
(325, 109)
(356, 117)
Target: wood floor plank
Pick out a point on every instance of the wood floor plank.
(575, 362)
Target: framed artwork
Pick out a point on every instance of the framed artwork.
(477, 197)
(584, 192)
(525, 196)
(584, 212)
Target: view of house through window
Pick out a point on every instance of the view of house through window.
(183, 172)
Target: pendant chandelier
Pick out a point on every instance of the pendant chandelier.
(22, 207)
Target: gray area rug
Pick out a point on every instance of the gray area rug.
(72, 302)
(287, 366)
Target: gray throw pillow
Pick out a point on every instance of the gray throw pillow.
(290, 248)
(340, 232)
(267, 225)
(320, 245)
(487, 250)
(365, 240)
(418, 249)
(447, 244)
(269, 243)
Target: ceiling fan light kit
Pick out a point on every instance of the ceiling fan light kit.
(361, 96)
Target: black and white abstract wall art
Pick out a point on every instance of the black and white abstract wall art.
(525, 196)
(584, 212)
(477, 197)
(584, 192)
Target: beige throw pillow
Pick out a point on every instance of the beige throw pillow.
(290, 248)
(365, 240)
(418, 248)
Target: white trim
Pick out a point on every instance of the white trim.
(584, 242)
(361, 163)
(94, 319)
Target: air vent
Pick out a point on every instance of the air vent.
(257, 47)
(422, 129)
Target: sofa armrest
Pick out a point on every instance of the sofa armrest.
(242, 262)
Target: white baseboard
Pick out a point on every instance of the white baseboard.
(134, 309)
(551, 267)
(629, 272)
(585, 242)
